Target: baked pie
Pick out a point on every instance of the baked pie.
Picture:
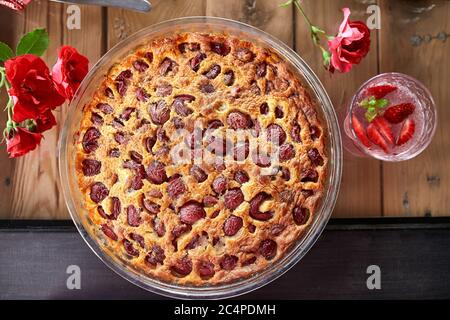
(201, 158)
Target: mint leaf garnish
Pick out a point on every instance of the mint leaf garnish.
(371, 114)
(373, 106)
(381, 103)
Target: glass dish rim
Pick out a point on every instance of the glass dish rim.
(296, 253)
(359, 144)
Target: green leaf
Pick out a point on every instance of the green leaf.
(34, 42)
(5, 52)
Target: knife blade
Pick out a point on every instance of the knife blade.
(137, 5)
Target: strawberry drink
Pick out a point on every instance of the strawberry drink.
(392, 117)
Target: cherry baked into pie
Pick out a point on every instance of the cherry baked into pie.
(201, 158)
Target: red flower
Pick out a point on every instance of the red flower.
(350, 45)
(32, 88)
(45, 122)
(22, 141)
(69, 71)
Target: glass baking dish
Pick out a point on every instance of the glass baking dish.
(73, 196)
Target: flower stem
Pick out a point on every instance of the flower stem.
(3, 76)
(315, 32)
(10, 123)
(300, 8)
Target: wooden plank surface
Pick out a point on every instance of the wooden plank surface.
(122, 23)
(29, 187)
(419, 187)
(360, 188)
(335, 268)
(34, 178)
(8, 24)
(263, 14)
(33, 182)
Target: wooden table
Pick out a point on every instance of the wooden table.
(419, 187)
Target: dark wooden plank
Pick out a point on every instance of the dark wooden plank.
(414, 264)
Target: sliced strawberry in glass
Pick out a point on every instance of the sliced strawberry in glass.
(406, 132)
(380, 91)
(385, 129)
(398, 113)
(376, 137)
(360, 132)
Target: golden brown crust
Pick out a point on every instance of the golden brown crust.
(260, 76)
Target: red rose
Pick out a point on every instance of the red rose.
(69, 71)
(45, 122)
(350, 45)
(32, 88)
(22, 142)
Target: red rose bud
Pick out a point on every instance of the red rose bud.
(32, 88)
(350, 45)
(21, 142)
(69, 70)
